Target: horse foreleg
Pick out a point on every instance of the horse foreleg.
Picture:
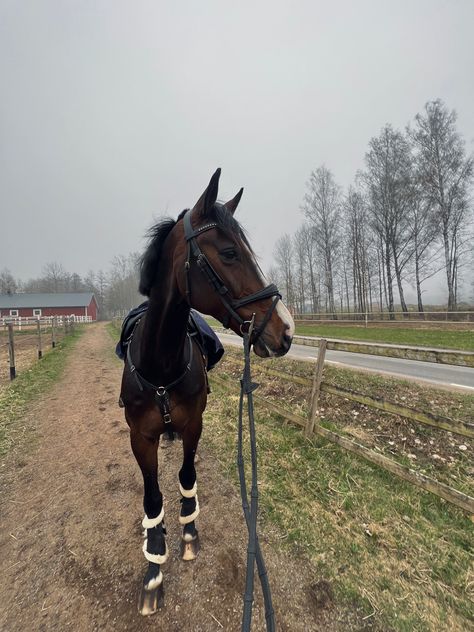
(188, 489)
(154, 547)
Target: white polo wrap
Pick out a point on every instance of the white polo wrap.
(187, 519)
(188, 493)
(155, 557)
(150, 523)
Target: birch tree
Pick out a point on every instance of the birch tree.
(446, 175)
(322, 207)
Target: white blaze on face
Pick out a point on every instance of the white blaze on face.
(285, 316)
(281, 309)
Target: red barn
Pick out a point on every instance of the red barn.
(82, 305)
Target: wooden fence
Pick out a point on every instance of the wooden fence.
(311, 426)
(33, 340)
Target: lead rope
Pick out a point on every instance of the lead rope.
(254, 552)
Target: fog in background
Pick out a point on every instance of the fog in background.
(115, 113)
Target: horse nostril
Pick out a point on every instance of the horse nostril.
(287, 341)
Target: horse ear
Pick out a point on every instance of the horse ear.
(231, 205)
(209, 197)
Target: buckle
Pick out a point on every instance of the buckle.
(167, 418)
(250, 324)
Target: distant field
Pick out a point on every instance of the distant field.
(441, 338)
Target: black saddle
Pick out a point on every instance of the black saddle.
(210, 345)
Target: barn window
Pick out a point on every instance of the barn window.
(36, 312)
(13, 312)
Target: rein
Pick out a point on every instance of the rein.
(254, 553)
(250, 335)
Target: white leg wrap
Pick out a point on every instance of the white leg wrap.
(154, 582)
(149, 523)
(188, 493)
(191, 517)
(153, 557)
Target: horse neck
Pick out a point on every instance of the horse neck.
(162, 350)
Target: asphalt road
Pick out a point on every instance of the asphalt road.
(441, 374)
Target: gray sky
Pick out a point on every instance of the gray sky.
(113, 113)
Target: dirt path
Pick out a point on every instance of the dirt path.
(70, 536)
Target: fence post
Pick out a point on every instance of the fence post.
(53, 332)
(11, 351)
(38, 328)
(318, 374)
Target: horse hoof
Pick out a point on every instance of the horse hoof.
(190, 548)
(150, 601)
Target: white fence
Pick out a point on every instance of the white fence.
(398, 316)
(27, 321)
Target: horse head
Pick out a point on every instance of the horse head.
(221, 277)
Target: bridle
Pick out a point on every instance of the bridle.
(231, 304)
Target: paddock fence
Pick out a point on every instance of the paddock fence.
(311, 426)
(21, 344)
(28, 322)
(381, 319)
(406, 352)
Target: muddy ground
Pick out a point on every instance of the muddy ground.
(70, 535)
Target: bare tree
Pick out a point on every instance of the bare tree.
(446, 174)
(8, 285)
(54, 277)
(322, 207)
(390, 189)
(358, 240)
(300, 274)
(283, 254)
(426, 249)
(314, 281)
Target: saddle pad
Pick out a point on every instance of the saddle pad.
(207, 339)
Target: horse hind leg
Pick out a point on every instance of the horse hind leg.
(189, 500)
(151, 596)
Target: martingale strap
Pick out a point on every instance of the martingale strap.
(217, 283)
(162, 397)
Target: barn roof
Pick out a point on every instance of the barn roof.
(60, 299)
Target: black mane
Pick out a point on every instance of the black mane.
(151, 257)
(159, 232)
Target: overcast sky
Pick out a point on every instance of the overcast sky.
(114, 113)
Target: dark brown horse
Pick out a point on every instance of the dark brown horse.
(203, 260)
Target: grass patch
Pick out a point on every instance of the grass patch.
(438, 338)
(19, 394)
(443, 455)
(384, 545)
(381, 543)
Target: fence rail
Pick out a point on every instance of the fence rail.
(21, 322)
(384, 316)
(311, 426)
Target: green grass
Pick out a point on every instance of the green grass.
(440, 338)
(384, 545)
(16, 398)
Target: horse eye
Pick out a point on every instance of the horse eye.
(229, 254)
